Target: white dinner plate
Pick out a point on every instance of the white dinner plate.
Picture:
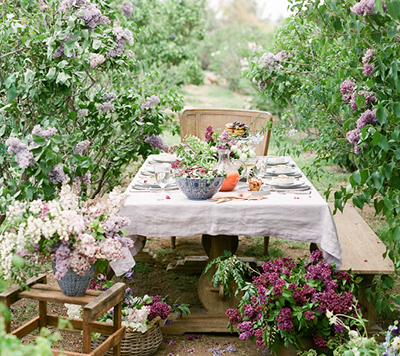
(164, 158)
(275, 160)
(255, 192)
(281, 170)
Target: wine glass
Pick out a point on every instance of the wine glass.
(163, 174)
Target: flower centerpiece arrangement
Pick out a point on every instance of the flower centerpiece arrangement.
(287, 304)
(78, 234)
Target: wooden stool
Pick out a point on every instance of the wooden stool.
(95, 304)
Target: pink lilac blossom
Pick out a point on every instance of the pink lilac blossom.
(81, 147)
(96, 59)
(111, 249)
(75, 221)
(364, 7)
(87, 247)
(157, 142)
(80, 264)
(57, 175)
(319, 341)
(368, 69)
(234, 316)
(353, 136)
(317, 256)
(309, 315)
(368, 55)
(366, 118)
(150, 102)
(127, 8)
(208, 136)
(347, 86)
(224, 137)
(86, 178)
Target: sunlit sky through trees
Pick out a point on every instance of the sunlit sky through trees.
(266, 9)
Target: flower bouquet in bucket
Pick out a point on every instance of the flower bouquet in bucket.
(80, 236)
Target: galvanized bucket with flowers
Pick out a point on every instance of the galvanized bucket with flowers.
(80, 236)
(286, 305)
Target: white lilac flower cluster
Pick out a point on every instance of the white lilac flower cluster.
(83, 112)
(96, 59)
(74, 311)
(245, 148)
(150, 102)
(107, 106)
(122, 36)
(76, 232)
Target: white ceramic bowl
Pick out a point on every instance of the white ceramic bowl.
(283, 180)
(275, 159)
(281, 169)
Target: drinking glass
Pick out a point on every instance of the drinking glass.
(163, 174)
(260, 167)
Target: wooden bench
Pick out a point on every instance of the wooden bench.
(362, 253)
(95, 304)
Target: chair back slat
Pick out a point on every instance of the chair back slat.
(195, 121)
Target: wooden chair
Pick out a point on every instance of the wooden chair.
(195, 121)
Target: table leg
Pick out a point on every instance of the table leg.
(212, 297)
(87, 332)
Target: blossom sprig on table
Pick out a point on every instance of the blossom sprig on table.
(77, 233)
(289, 300)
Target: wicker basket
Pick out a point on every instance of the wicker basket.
(137, 343)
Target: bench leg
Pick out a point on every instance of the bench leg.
(266, 245)
(173, 242)
(369, 311)
(313, 247)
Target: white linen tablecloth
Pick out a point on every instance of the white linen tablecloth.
(305, 218)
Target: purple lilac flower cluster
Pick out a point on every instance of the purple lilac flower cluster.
(309, 290)
(23, 156)
(127, 8)
(81, 147)
(157, 142)
(150, 102)
(93, 16)
(59, 52)
(121, 37)
(57, 175)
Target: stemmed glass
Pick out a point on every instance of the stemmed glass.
(260, 167)
(163, 174)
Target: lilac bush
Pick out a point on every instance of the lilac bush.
(290, 299)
